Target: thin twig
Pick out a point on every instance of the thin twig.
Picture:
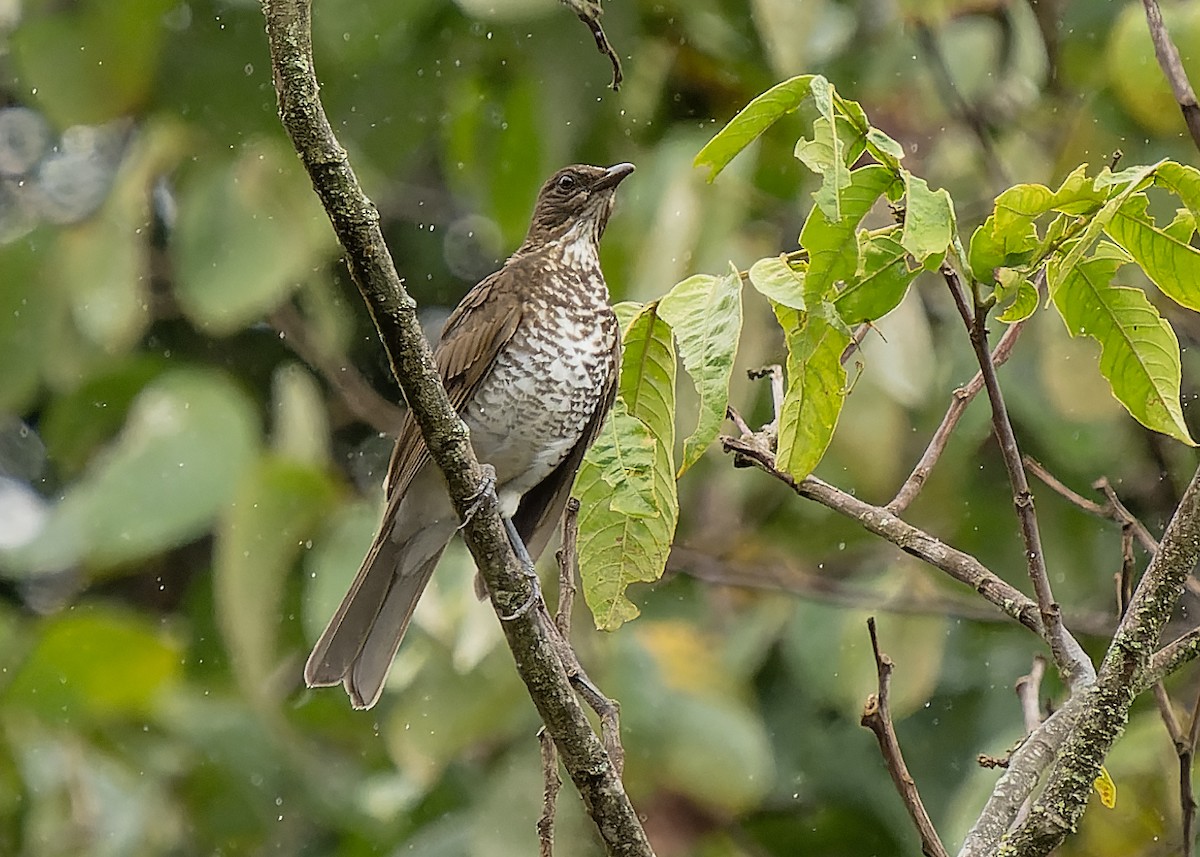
(1170, 658)
(552, 782)
(1114, 510)
(1120, 514)
(877, 717)
(1187, 796)
(339, 373)
(568, 568)
(958, 405)
(856, 340)
(1072, 663)
(589, 12)
(1172, 69)
(1029, 689)
(608, 710)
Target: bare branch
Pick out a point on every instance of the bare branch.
(877, 717)
(530, 634)
(1028, 689)
(958, 405)
(1179, 652)
(1025, 767)
(1172, 69)
(1116, 511)
(1072, 662)
(875, 519)
(589, 11)
(552, 783)
(568, 568)
(1106, 704)
(1187, 796)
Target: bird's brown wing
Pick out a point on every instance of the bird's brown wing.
(542, 506)
(480, 326)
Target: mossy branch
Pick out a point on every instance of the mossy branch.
(530, 633)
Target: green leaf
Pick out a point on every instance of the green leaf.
(1183, 227)
(832, 245)
(1173, 264)
(753, 119)
(882, 279)
(780, 280)
(617, 549)
(1021, 291)
(248, 232)
(825, 153)
(816, 388)
(1132, 179)
(705, 312)
(624, 454)
(993, 247)
(1183, 181)
(177, 461)
(95, 662)
(928, 219)
(1139, 353)
(277, 506)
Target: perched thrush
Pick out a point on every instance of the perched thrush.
(529, 359)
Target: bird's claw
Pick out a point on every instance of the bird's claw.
(535, 593)
(522, 553)
(484, 494)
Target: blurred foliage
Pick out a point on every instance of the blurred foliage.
(187, 483)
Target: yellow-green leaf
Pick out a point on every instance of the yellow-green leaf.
(756, 117)
(1173, 264)
(615, 548)
(705, 312)
(1139, 354)
(816, 388)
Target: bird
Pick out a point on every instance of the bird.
(529, 359)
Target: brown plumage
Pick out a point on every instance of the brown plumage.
(529, 359)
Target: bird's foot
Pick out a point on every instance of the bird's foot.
(518, 546)
(484, 494)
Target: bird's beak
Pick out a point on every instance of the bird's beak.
(613, 176)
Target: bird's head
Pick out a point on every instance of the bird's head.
(579, 197)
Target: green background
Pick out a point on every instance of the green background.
(186, 495)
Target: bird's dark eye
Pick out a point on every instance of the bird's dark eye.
(566, 182)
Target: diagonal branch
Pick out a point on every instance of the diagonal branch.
(1070, 659)
(877, 716)
(1172, 68)
(875, 519)
(530, 633)
(958, 405)
(1106, 704)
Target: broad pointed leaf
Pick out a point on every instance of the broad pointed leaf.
(617, 549)
(1139, 352)
(705, 312)
(816, 388)
(756, 117)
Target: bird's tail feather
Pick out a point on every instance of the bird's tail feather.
(357, 647)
